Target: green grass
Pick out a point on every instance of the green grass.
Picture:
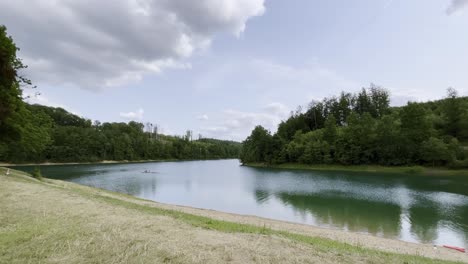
(417, 170)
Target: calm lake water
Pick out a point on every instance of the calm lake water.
(406, 207)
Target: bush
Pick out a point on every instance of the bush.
(37, 174)
(435, 151)
(459, 164)
(414, 169)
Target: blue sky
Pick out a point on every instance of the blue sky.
(221, 67)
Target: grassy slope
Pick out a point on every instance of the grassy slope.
(57, 222)
(366, 168)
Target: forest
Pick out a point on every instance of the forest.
(362, 129)
(55, 135)
(36, 133)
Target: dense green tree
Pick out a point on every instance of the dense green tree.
(380, 101)
(316, 152)
(330, 131)
(288, 128)
(257, 147)
(415, 129)
(314, 117)
(295, 148)
(53, 134)
(455, 115)
(345, 107)
(23, 135)
(375, 100)
(389, 142)
(60, 116)
(10, 92)
(357, 143)
(34, 136)
(363, 129)
(362, 102)
(435, 151)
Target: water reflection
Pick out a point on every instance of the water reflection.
(261, 196)
(396, 206)
(337, 210)
(424, 221)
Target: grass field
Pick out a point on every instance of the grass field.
(50, 221)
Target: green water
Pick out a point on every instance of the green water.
(412, 208)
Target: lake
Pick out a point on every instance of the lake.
(423, 209)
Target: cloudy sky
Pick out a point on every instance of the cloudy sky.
(219, 67)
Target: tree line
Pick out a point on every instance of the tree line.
(362, 128)
(36, 133)
(61, 136)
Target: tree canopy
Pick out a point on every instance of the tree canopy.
(362, 128)
(56, 135)
(21, 131)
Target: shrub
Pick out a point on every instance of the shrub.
(459, 164)
(37, 174)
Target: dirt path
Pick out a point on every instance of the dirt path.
(59, 222)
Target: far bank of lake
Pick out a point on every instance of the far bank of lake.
(6, 164)
(415, 170)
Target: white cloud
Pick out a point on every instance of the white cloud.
(237, 125)
(278, 109)
(272, 80)
(240, 120)
(456, 5)
(95, 44)
(203, 117)
(137, 115)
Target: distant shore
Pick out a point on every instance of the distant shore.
(78, 163)
(4, 164)
(417, 170)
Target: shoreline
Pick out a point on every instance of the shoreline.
(414, 170)
(5, 164)
(226, 223)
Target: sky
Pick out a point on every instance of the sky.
(221, 67)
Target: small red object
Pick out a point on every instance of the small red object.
(456, 248)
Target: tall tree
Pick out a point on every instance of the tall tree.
(380, 101)
(330, 131)
(257, 147)
(389, 144)
(415, 124)
(362, 102)
(17, 124)
(455, 114)
(314, 117)
(10, 92)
